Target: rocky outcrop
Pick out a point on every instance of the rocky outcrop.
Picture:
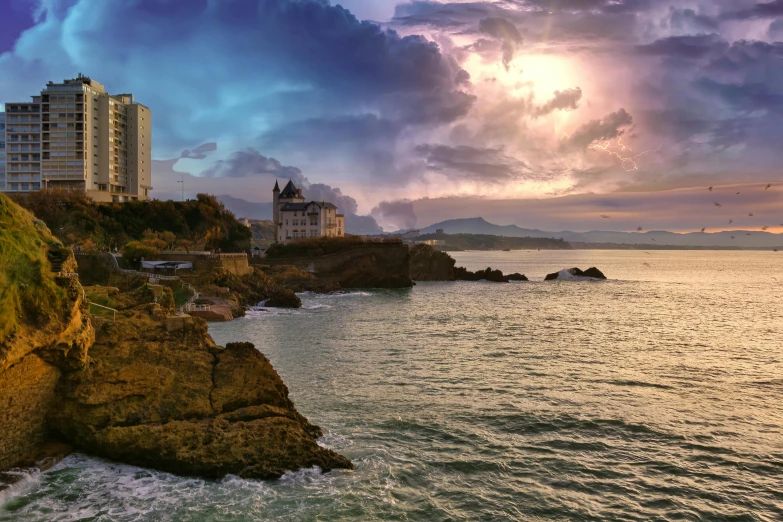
(375, 265)
(144, 387)
(495, 276)
(43, 330)
(284, 298)
(429, 264)
(575, 273)
(169, 398)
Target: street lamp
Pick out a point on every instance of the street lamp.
(183, 187)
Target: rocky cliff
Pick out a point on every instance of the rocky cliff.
(43, 331)
(145, 387)
(428, 264)
(158, 392)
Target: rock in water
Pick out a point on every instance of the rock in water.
(428, 264)
(488, 274)
(575, 273)
(594, 273)
(284, 298)
(173, 400)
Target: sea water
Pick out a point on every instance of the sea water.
(655, 395)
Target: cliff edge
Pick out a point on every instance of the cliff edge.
(139, 385)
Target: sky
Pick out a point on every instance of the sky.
(551, 114)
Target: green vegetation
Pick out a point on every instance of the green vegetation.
(200, 224)
(28, 292)
(263, 233)
(321, 246)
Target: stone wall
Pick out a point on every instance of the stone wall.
(236, 264)
(26, 392)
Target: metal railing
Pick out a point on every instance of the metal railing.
(188, 306)
(114, 312)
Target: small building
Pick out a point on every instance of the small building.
(295, 218)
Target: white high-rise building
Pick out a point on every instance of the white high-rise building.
(2, 151)
(76, 136)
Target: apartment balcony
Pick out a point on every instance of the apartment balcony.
(331, 224)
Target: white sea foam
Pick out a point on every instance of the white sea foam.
(27, 479)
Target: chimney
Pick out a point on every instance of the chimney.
(299, 192)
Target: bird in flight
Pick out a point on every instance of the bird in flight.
(768, 186)
(703, 229)
(639, 229)
(604, 216)
(737, 193)
(731, 221)
(732, 237)
(710, 189)
(652, 238)
(764, 227)
(748, 234)
(750, 214)
(717, 204)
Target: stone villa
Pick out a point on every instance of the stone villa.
(297, 219)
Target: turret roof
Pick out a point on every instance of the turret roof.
(290, 191)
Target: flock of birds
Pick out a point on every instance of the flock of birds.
(717, 204)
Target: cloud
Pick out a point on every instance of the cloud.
(609, 127)
(504, 31)
(689, 46)
(399, 214)
(200, 152)
(473, 164)
(248, 163)
(566, 100)
(354, 223)
(760, 10)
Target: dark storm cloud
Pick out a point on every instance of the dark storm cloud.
(504, 31)
(565, 100)
(249, 162)
(690, 46)
(564, 21)
(609, 127)
(398, 213)
(429, 108)
(354, 223)
(761, 10)
(200, 152)
(690, 20)
(745, 96)
(473, 164)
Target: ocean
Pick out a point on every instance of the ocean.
(655, 395)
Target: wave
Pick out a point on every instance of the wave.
(333, 295)
(15, 482)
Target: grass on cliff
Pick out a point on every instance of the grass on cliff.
(321, 246)
(28, 293)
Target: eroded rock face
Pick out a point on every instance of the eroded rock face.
(172, 400)
(284, 298)
(428, 264)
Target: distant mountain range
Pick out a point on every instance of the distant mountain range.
(742, 238)
(243, 208)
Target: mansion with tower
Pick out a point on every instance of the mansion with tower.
(296, 218)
